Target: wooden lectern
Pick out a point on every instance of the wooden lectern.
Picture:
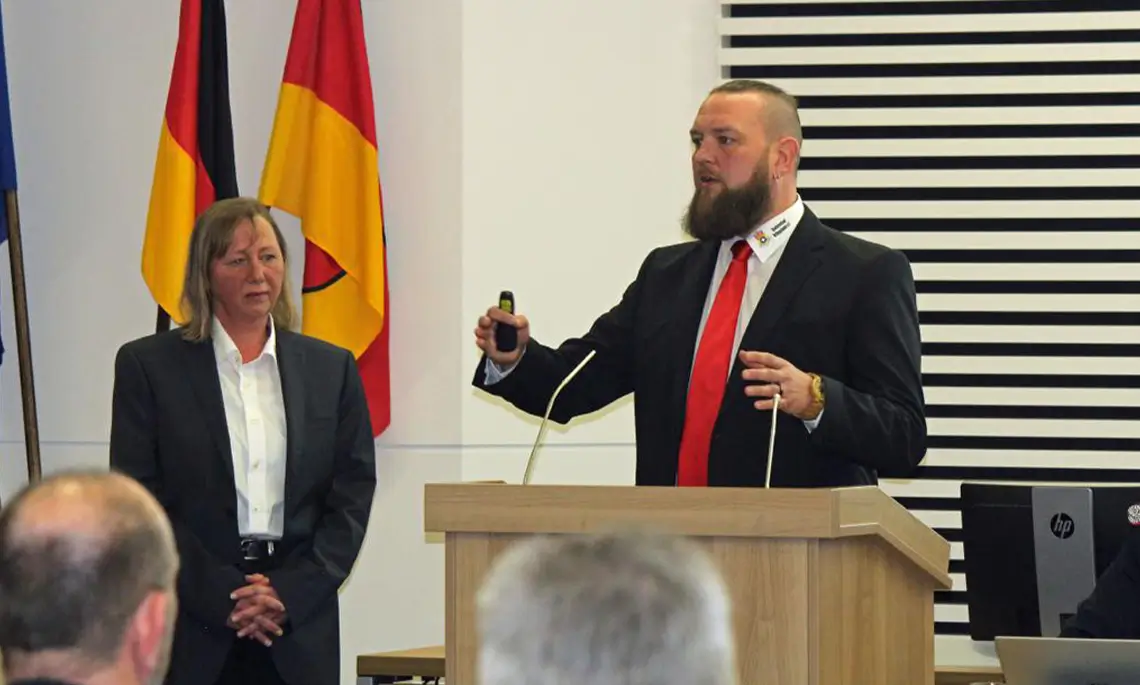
(829, 587)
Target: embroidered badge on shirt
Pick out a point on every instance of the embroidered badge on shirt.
(763, 238)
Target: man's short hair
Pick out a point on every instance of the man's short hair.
(606, 609)
(76, 590)
(781, 119)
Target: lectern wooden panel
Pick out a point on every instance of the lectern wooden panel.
(829, 586)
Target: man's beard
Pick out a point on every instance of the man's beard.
(733, 212)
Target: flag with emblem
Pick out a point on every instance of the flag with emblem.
(322, 168)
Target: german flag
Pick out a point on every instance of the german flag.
(195, 164)
(322, 168)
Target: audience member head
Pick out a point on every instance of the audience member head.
(605, 609)
(746, 152)
(237, 270)
(88, 566)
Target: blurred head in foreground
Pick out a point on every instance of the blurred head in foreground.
(606, 609)
(87, 582)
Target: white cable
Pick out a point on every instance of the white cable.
(772, 439)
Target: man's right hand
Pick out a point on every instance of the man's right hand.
(485, 335)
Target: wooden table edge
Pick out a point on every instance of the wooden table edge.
(430, 662)
(421, 661)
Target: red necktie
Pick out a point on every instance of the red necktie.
(710, 371)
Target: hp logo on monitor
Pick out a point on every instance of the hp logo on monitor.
(1061, 525)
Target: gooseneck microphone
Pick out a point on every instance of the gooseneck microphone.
(772, 439)
(546, 416)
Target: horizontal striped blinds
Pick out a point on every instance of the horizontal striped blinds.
(997, 144)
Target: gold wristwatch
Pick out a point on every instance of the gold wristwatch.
(816, 395)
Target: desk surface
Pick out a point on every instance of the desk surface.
(965, 675)
(429, 661)
(424, 661)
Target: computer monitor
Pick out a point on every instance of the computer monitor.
(1032, 553)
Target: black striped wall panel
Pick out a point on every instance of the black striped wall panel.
(996, 143)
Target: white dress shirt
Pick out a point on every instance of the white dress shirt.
(255, 416)
(767, 242)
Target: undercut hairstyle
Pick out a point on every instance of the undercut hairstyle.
(606, 609)
(211, 238)
(76, 591)
(781, 112)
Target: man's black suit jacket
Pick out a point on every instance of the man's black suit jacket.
(836, 305)
(168, 430)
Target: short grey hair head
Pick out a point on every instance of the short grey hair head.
(79, 552)
(616, 608)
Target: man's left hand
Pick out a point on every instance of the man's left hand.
(768, 374)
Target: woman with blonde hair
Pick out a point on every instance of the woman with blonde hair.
(256, 440)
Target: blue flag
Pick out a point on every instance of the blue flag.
(7, 149)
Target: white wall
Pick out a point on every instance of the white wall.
(576, 164)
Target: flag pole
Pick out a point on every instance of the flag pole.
(23, 341)
(161, 321)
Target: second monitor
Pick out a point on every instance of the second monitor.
(1032, 553)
